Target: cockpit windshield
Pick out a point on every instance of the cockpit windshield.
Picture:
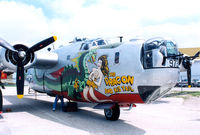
(171, 48)
(101, 42)
(86, 45)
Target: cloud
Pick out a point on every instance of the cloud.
(185, 35)
(21, 22)
(28, 24)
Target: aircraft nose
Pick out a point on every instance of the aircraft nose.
(148, 93)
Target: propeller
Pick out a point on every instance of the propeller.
(187, 63)
(6, 45)
(20, 57)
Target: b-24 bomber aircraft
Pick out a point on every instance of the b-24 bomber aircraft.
(112, 75)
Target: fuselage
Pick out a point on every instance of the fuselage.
(129, 72)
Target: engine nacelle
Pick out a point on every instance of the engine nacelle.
(45, 59)
(8, 59)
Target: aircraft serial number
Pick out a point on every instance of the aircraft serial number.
(173, 63)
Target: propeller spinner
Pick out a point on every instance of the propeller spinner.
(20, 56)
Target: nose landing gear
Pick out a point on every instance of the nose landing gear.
(112, 113)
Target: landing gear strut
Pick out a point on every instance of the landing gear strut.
(1, 102)
(113, 113)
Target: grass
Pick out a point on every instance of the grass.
(183, 94)
(196, 94)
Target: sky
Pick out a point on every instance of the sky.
(30, 21)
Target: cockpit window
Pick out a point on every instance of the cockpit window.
(94, 44)
(88, 44)
(101, 42)
(84, 46)
(171, 48)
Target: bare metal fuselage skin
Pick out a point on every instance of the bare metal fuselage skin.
(110, 73)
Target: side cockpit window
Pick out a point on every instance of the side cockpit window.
(94, 44)
(116, 57)
(90, 44)
(101, 42)
(84, 46)
(171, 48)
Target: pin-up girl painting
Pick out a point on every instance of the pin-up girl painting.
(95, 78)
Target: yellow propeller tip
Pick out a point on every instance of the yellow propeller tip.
(20, 96)
(189, 86)
(55, 38)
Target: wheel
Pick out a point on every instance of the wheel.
(1, 102)
(113, 113)
(70, 107)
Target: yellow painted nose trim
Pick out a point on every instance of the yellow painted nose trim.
(20, 96)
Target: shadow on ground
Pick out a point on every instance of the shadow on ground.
(160, 102)
(89, 121)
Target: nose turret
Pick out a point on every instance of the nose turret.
(158, 52)
(161, 68)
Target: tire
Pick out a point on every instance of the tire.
(1, 101)
(113, 113)
(70, 107)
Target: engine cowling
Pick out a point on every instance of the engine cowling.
(9, 58)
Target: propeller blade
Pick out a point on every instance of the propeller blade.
(20, 79)
(189, 76)
(196, 55)
(188, 64)
(42, 44)
(6, 45)
(1, 102)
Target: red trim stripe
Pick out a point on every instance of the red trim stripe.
(120, 98)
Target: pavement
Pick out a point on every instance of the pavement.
(33, 115)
